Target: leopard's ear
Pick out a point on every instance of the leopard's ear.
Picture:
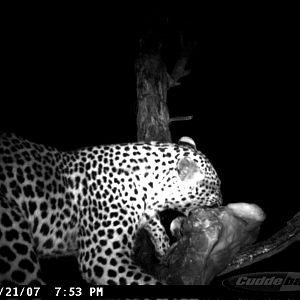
(188, 171)
(187, 141)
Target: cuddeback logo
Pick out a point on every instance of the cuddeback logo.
(265, 282)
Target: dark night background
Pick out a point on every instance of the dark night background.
(68, 81)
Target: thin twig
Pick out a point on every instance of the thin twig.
(181, 118)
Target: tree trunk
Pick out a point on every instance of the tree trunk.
(152, 86)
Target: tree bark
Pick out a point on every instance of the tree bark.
(152, 85)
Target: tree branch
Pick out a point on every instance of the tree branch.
(145, 252)
(180, 118)
(275, 244)
(179, 70)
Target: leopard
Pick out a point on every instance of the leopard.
(92, 201)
